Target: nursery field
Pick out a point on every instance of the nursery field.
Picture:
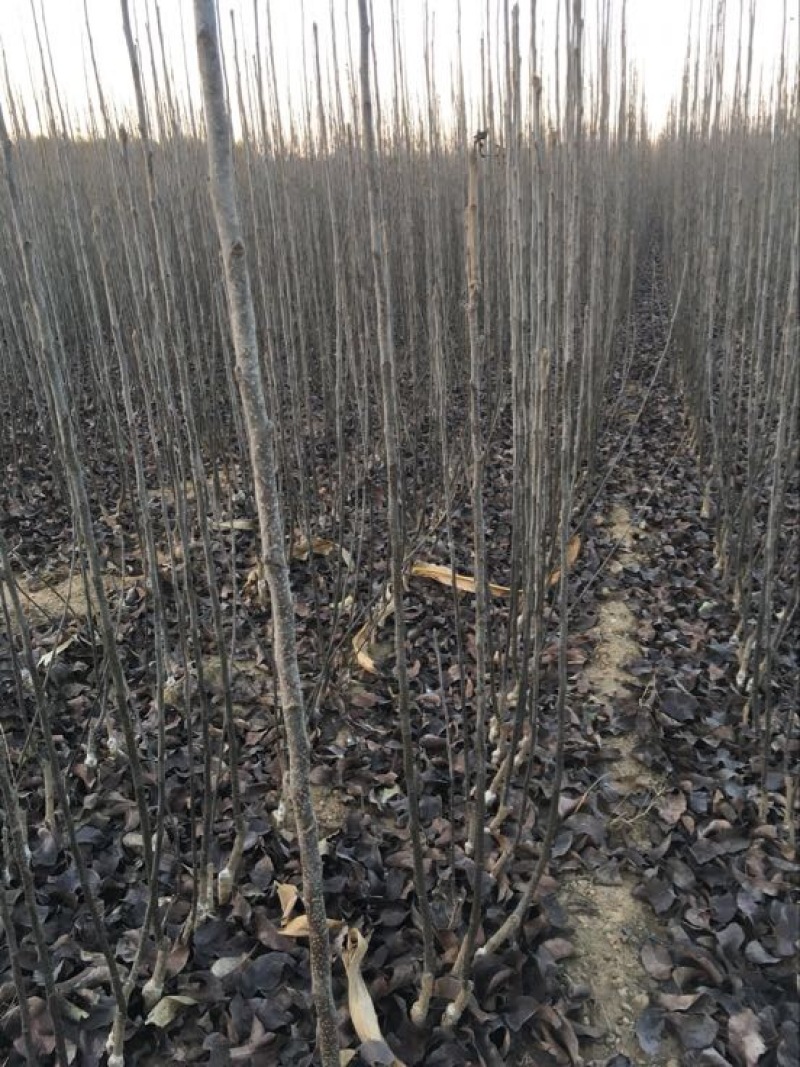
(400, 552)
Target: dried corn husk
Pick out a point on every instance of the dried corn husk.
(465, 583)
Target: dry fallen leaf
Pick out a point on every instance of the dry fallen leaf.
(226, 965)
(167, 1009)
(573, 551)
(53, 654)
(365, 655)
(319, 546)
(288, 895)
(465, 583)
(362, 1010)
(235, 524)
(744, 1034)
(298, 926)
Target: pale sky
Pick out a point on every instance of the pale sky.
(657, 35)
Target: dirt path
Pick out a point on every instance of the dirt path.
(609, 924)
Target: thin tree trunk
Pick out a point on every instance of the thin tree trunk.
(389, 386)
(273, 555)
(462, 968)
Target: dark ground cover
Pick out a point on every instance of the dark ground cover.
(712, 863)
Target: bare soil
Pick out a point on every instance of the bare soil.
(53, 599)
(610, 924)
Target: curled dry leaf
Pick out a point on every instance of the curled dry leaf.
(360, 647)
(365, 656)
(362, 1010)
(465, 583)
(288, 895)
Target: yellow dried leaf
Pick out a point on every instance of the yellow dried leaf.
(319, 546)
(465, 583)
(573, 551)
(54, 653)
(366, 662)
(287, 894)
(362, 642)
(360, 648)
(362, 1010)
(253, 581)
(298, 926)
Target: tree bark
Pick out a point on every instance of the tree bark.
(391, 420)
(273, 555)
